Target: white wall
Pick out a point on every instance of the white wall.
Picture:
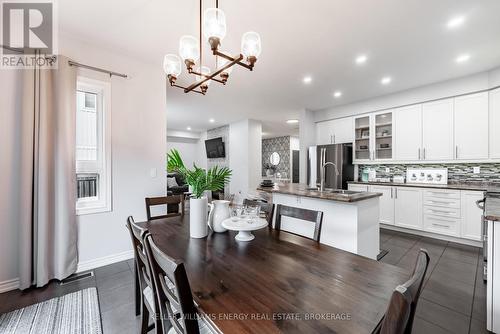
(188, 148)
(138, 147)
(245, 150)
(307, 137)
(439, 90)
(10, 114)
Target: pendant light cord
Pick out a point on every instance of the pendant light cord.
(201, 51)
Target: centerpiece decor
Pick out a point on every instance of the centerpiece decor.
(200, 180)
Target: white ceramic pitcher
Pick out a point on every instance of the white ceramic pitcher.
(219, 211)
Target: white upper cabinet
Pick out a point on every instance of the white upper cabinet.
(337, 131)
(408, 133)
(383, 133)
(324, 133)
(342, 130)
(363, 141)
(437, 134)
(471, 127)
(495, 124)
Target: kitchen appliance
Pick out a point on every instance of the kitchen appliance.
(340, 155)
(491, 258)
(427, 176)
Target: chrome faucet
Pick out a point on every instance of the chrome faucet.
(323, 169)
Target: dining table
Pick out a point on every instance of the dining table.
(279, 282)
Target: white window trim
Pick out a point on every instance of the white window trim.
(102, 203)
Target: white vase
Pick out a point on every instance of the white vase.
(219, 211)
(198, 227)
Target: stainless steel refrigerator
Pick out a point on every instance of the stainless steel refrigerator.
(340, 155)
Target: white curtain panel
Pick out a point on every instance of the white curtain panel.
(48, 228)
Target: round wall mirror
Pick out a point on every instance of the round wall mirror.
(274, 159)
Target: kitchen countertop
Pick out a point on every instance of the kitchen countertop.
(492, 208)
(302, 190)
(477, 186)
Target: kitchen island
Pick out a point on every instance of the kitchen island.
(350, 218)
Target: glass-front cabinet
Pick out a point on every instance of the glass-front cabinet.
(383, 136)
(362, 142)
(373, 137)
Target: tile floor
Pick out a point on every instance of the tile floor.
(452, 301)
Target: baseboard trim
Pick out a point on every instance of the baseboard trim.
(433, 235)
(8, 285)
(104, 261)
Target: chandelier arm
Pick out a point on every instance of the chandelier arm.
(223, 55)
(206, 76)
(213, 75)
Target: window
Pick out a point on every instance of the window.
(93, 146)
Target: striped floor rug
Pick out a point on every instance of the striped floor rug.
(74, 313)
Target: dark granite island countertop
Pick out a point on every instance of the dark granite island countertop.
(304, 190)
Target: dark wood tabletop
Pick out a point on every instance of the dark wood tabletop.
(279, 282)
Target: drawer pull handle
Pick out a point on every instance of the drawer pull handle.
(441, 225)
(440, 202)
(439, 211)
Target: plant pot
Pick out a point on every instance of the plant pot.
(198, 227)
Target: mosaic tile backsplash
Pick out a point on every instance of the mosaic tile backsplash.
(457, 173)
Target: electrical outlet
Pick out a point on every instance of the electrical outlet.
(387, 170)
(477, 170)
(152, 172)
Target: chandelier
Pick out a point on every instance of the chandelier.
(213, 28)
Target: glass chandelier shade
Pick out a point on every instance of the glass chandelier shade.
(172, 65)
(214, 23)
(203, 70)
(250, 44)
(189, 48)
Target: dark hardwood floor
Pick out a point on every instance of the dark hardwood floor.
(452, 301)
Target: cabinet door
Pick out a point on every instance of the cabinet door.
(408, 207)
(386, 204)
(363, 138)
(471, 215)
(471, 126)
(357, 187)
(343, 130)
(324, 132)
(383, 135)
(437, 126)
(495, 124)
(408, 133)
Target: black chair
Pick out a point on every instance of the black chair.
(145, 301)
(268, 208)
(181, 186)
(312, 216)
(400, 313)
(168, 200)
(178, 311)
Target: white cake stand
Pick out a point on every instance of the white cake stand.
(244, 227)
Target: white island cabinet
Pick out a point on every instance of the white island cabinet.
(350, 221)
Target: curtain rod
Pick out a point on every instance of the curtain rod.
(111, 73)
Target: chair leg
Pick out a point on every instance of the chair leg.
(138, 298)
(144, 319)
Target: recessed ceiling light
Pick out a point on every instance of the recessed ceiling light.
(307, 80)
(455, 22)
(188, 128)
(361, 59)
(337, 94)
(211, 120)
(292, 121)
(462, 58)
(386, 80)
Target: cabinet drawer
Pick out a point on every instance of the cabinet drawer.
(442, 211)
(439, 193)
(442, 225)
(443, 202)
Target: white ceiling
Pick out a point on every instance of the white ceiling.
(405, 39)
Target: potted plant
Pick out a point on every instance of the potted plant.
(200, 180)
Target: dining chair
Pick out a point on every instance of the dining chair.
(165, 200)
(312, 216)
(398, 318)
(145, 301)
(268, 208)
(178, 312)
